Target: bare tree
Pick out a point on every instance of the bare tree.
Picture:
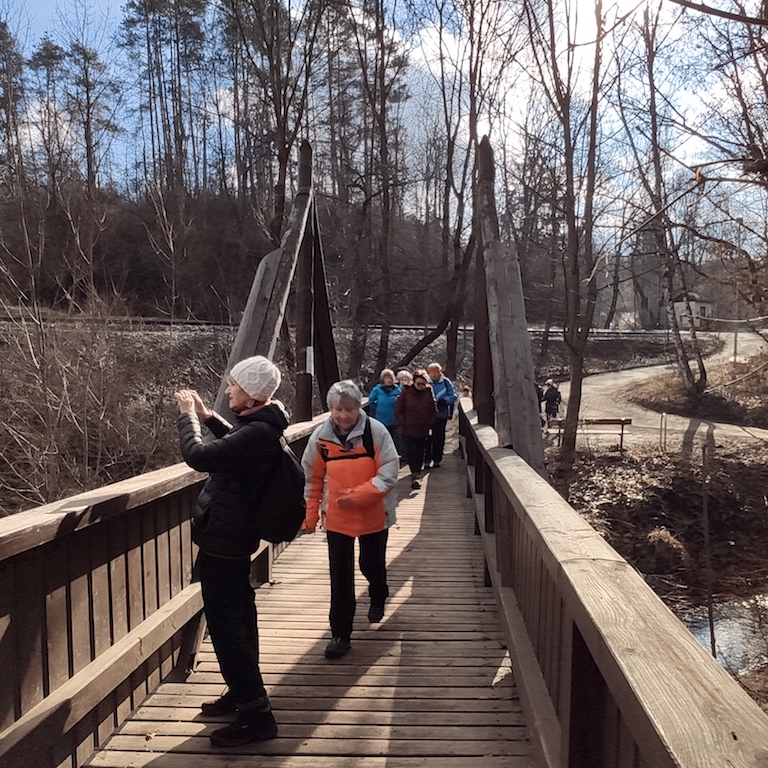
(278, 45)
(557, 66)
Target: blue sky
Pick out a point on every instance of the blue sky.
(42, 14)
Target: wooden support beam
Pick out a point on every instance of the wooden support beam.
(264, 312)
(517, 409)
(326, 359)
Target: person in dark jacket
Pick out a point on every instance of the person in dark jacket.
(445, 397)
(415, 411)
(551, 399)
(239, 461)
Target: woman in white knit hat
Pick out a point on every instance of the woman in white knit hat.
(239, 461)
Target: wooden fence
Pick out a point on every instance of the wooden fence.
(97, 605)
(609, 677)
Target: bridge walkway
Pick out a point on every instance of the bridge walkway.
(430, 686)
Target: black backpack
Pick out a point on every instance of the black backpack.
(281, 508)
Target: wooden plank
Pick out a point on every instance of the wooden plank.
(175, 562)
(332, 746)
(454, 717)
(114, 759)
(101, 599)
(56, 612)
(134, 575)
(149, 558)
(28, 616)
(192, 699)
(150, 729)
(118, 577)
(9, 662)
(164, 577)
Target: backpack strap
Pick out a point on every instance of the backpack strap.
(368, 439)
(370, 451)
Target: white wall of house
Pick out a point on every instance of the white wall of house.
(701, 310)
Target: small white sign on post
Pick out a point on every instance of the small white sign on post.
(310, 363)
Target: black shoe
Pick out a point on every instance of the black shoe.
(337, 648)
(224, 705)
(250, 726)
(415, 484)
(436, 465)
(376, 613)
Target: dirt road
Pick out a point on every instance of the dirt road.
(605, 396)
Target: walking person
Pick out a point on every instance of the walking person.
(351, 467)
(445, 397)
(551, 399)
(404, 378)
(239, 461)
(415, 411)
(381, 401)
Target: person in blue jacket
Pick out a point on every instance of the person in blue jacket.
(381, 401)
(445, 397)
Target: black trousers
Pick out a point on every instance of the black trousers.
(415, 448)
(373, 565)
(230, 610)
(436, 444)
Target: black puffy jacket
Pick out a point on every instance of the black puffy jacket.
(239, 462)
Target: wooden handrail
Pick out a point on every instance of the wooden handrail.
(97, 602)
(608, 675)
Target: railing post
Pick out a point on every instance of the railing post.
(490, 523)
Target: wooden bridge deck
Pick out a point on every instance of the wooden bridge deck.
(429, 687)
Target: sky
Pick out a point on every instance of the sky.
(43, 16)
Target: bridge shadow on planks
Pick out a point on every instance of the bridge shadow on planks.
(430, 686)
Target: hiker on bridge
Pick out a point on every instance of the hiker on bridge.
(416, 410)
(381, 401)
(445, 397)
(239, 462)
(351, 466)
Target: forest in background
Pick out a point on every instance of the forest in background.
(146, 169)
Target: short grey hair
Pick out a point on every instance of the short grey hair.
(386, 372)
(346, 388)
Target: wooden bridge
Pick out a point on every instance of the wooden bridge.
(515, 637)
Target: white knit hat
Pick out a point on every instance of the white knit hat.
(257, 377)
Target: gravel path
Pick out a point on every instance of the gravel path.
(605, 396)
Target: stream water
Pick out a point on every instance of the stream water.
(741, 633)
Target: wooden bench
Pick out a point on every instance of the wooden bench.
(556, 426)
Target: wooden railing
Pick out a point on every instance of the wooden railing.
(609, 677)
(97, 606)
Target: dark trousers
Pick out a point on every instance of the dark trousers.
(394, 431)
(436, 444)
(373, 565)
(415, 448)
(230, 610)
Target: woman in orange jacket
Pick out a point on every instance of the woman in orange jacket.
(351, 465)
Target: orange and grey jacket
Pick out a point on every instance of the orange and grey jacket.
(351, 488)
